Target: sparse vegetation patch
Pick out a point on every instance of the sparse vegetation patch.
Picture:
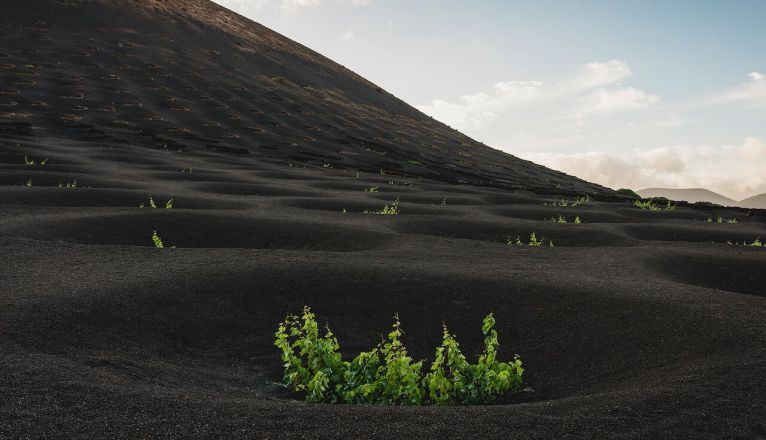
(655, 204)
(563, 203)
(392, 209)
(31, 162)
(533, 241)
(756, 243)
(561, 219)
(152, 204)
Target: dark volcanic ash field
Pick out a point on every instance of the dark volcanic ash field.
(636, 324)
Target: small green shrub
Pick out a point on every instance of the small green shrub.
(533, 241)
(721, 220)
(655, 204)
(756, 243)
(645, 205)
(31, 162)
(152, 204)
(29, 182)
(392, 209)
(157, 240)
(560, 203)
(387, 374)
(562, 219)
(372, 189)
(71, 185)
(563, 203)
(559, 219)
(628, 192)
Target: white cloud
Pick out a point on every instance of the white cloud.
(749, 94)
(732, 170)
(673, 120)
(606, 101)
(599, 74)
(594, 91)
(294, 5)
(348, 35)
(286, 6)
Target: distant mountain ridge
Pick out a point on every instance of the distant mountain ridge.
(756, 202)
(704, 195)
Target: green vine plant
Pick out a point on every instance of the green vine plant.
(653, 204)
(756, 243)
(372, 189)
(721, 220)
(392, 209)
(533, 241)
(455, 381)
(153, 204)
(387, 375)
(562, 219)
(158, 243)
(563, 203)
(31, 162)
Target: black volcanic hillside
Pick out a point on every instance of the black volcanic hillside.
(193, 76)
(636, 324)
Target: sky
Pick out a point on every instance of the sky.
(634, 94)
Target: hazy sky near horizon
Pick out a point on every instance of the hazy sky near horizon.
(637, 94)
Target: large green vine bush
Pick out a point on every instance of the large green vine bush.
(387, 374)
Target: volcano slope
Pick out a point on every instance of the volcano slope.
(637, 324)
